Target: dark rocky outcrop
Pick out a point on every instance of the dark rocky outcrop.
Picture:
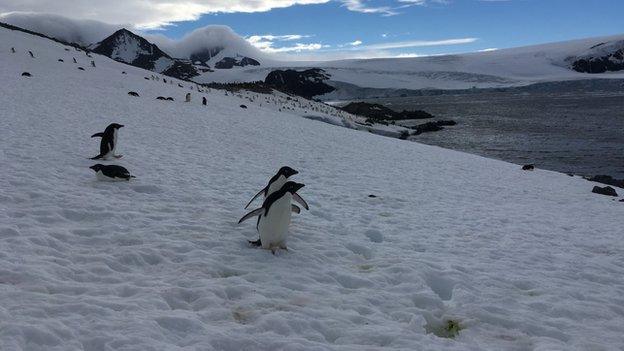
(306, 83)
(530, 167)
(380, 112)
(607, 190)
(434, 126)
(181, 70)
(231, 62)
(605, 179)
(601, 58)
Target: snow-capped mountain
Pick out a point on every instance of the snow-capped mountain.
(405, 245)
(130, 48)
(213, 46)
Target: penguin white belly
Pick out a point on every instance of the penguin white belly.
(100, 176)
(276, 185)
(273, 229)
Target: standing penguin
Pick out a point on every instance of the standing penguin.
(108, 145)
(111, 173)
(31, 54)
(274, 217)
(13, 50)
(204, 101)
(188, 97)
(277, 182)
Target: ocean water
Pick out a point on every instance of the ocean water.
(579, 132)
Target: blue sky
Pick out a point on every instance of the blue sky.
(329, 28)
(332, 29)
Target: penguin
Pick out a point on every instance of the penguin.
(274, 217)
(204, 101)
(188, 97)
(277, 182)
(111, 173)
(108, 143)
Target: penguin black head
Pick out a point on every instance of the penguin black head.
(287, 171)
(292, 187)
(115, 125)
(97, 167)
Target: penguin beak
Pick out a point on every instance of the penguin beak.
(294, 172)
(297, 186)
(121, 126)
(92, 167)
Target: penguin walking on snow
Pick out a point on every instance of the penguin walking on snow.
(274, 217)
(111, 173)
(108, 145)
(277, 182)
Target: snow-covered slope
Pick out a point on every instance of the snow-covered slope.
(520, 260)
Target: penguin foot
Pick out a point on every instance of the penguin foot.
(255, 243)
(118, 156)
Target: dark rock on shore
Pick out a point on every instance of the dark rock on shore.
(605, 179)
(528, 167)
(607, 190)
(380, 112)
(434, 126)
(306, 83)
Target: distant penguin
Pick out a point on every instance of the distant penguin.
(204, 101)
(108, 145)
(31, 54)
(75, 60)
(164, 81)
(111, 173)
(13, 50)
(188, 97)
(92, 63)
(274, 217)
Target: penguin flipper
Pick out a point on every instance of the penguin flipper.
(98, 135)
(251, 214)
(300, 200)
(255, 196)
(295, 208)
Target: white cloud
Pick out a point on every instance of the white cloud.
(153, 14)
(416, 43)
(356, 43)
(268, 43)
(145, 13)
(488, 49)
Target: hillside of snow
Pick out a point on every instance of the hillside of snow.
(453, 252)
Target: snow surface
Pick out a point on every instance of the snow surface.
(521, 260)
